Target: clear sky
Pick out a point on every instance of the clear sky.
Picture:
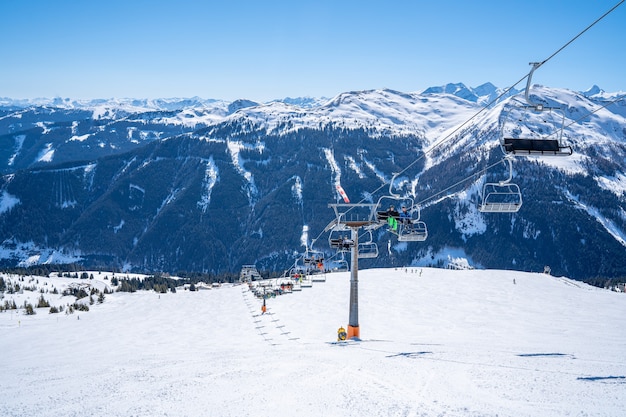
(264, 50)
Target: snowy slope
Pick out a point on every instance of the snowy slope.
(435, 342)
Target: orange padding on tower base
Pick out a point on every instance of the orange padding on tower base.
(353, 331)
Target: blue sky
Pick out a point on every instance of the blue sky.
(264, 50)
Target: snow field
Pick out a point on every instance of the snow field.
(435, 343)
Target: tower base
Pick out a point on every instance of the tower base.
(353, 332)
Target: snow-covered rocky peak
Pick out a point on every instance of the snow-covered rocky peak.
(381, 112)
(483, 94)
(592, 91)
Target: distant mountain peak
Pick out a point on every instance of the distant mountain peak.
(483, 94)
(304, 102)
(592, 91)
(241, 104)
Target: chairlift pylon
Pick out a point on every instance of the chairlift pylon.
(532, 128)
(501, 197)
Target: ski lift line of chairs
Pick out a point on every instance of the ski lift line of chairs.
(533, 128)
(501, 197)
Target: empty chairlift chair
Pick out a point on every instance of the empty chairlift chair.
(501, 197)
(533, 128)
(367, 248)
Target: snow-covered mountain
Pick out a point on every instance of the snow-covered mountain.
(210, 185)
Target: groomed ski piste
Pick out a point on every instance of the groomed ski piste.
(435, 342)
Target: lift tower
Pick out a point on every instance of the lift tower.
(353, 217)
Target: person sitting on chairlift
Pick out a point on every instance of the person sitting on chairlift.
(392, 218)
(390, 212)
(405, 216)
(347, 243)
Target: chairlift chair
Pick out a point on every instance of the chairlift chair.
(415, 230)
(368, 248)
(533, 128)
(340, 240)
(296, 276)
(342, 265)
(338, 265)
(501, 197)
(302, 271)
(314, 261)
(306, 282)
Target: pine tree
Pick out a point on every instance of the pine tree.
(29, 309)
(42, 302)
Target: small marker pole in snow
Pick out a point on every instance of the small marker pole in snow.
(263, 307)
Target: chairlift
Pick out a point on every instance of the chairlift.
(320, 276)
(368, 248)
(338, 265)
(533, 128)
(501, 197)
(301, 272)
(306, 281)
(413, 230)
(340, 240)
(295, 274)
(313, 260)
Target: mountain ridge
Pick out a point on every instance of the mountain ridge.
(168, 190)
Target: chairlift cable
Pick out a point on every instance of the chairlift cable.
(487, 106)
(586, 115)
(577, 36)
(434, 196)
(607, 104)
